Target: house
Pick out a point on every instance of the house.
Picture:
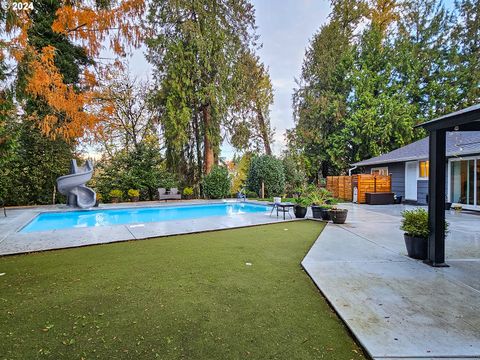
(408, 168)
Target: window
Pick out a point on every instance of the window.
(379, 171)
(423, 169)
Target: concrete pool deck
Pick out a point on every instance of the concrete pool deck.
(14, 242)
(397, 307)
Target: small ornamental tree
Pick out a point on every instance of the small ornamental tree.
(269, 170)
(216, 184)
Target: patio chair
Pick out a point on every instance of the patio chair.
(173, 194)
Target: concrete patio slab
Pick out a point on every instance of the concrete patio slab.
(399, 308)
(14, 242)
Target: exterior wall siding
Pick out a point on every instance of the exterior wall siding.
(397, 172)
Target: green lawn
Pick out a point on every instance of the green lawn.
(181, 297)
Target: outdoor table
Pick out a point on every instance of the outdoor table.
(283, 207)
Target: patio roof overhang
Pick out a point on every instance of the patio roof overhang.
(464, 120)
(467, 119)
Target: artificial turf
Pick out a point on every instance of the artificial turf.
(233, 294)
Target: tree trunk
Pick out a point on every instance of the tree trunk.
(208, 151)
(264, 132)
(198, 142)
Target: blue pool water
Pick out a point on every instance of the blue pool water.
(89, 218)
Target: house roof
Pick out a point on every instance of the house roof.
(459, 143)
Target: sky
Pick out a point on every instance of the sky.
(285, 27)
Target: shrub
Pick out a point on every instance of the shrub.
(415, 223)
(251, 194)
(216, 185)
(133, 193)
(142, 169)
(240, 173)
(167, 181)
(269, 170)
(188, 191)
(294, 175)
(115, 193)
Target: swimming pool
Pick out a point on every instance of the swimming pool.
(92, 218)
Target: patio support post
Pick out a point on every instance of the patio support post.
(436, 198)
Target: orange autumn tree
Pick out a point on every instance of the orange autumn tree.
(50, 80)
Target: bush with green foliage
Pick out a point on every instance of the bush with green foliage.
(31, 164)
(295, 176)
(132, 193)
(116, 194)
(142, 169)
(415, 223)
(216, 185)
(188, 191)
(269, 170)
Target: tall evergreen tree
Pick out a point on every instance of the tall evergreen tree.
(411, 63)
(465, 55)
(379, 117)
(420, 57)
(194, 48)
(320, 99)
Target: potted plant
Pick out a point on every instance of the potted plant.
(301, 207)
(188, 192)
(457, 208)
(115, 195)
(317, 211)
(415, 225)
(338, 216)
(319, 198)
(325, 212)
(134, 195)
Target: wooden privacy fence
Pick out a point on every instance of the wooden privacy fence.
(342, 187)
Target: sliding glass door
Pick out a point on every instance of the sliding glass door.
(478, 182)
(465, 181)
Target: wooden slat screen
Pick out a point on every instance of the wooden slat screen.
(342, 187)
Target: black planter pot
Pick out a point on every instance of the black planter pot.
(316, 212)
(326, 214)
(321, 212)
(300, 211)
(338, 216)
(416, 247)
(448, 205)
